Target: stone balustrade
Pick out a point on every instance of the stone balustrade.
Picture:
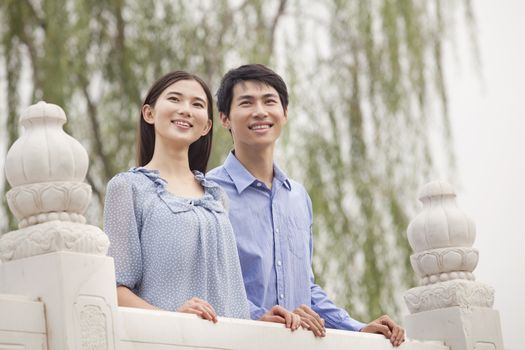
(57, 286)
(449, 304)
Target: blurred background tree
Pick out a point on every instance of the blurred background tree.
(367, 94)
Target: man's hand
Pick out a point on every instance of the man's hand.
(384, 325)
(279, 314)
(311, 320)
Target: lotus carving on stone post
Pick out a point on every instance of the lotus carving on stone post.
(441, 237)
(46, 168)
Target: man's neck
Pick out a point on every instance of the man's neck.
(258, 161)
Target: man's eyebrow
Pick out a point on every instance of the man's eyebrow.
(249, 97)
(245, 97)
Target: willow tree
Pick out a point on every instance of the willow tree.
(97, 58)
(373, 111)
(361, 76)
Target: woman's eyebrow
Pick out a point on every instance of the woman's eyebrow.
(180, 94)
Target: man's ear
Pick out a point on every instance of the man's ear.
(286, 114)
(147, 114)
(225, 121)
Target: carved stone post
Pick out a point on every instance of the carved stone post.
(54, 255)
(449, 305)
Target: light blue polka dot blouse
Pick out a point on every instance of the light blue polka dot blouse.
(169, 249)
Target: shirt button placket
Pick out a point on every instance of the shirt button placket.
(279, 264)
(278, 257)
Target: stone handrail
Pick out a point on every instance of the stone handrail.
(57, 287)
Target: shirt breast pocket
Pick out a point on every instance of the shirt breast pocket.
(298, 235)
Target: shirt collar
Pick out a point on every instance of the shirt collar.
(281, 176)
(242, 178)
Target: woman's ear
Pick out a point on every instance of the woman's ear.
(147, 114)
(207, 128)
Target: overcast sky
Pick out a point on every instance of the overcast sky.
(488, 118)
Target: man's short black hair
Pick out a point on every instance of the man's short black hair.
(254, 72)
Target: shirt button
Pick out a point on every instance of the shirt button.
(281, 296)
(279, 263)
(259, 184)
(276, 230)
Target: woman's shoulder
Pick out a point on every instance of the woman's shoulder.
(127, 179)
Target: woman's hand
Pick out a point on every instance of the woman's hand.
(279, 314)
(199, 307)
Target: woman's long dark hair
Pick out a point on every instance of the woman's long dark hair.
(200, 150)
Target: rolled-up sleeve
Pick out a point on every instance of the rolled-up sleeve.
(334, 317)
(122, 227)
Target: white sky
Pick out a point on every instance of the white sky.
(488, 118)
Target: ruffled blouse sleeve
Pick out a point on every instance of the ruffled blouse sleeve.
(122, 226)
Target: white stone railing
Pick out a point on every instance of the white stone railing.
(57, 287)
(138, 329)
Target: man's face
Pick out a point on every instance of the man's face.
(256, 115)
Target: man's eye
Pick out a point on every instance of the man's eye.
(271, 102)
(198, 105)
(244, 103)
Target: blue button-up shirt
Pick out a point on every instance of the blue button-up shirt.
(273, 229)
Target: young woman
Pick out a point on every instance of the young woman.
(171, 239)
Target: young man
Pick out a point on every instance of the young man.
(270, 213)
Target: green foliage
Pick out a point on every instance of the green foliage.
(367, 146)
(361, 76)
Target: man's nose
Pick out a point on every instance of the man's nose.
(260, 110)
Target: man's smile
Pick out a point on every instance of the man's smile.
(260, 126)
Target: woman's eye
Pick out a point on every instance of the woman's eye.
(198, 105)
(174, 99)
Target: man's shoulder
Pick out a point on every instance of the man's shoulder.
(220, 176)
(218, 173)
(297, 186)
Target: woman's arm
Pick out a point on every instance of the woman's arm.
(193, 306)
(129, 299)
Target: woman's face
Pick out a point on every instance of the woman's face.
(180, 114)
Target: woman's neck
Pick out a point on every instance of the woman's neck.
(169, 161)
(173, 165)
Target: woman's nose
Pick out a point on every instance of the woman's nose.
(184, 109)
